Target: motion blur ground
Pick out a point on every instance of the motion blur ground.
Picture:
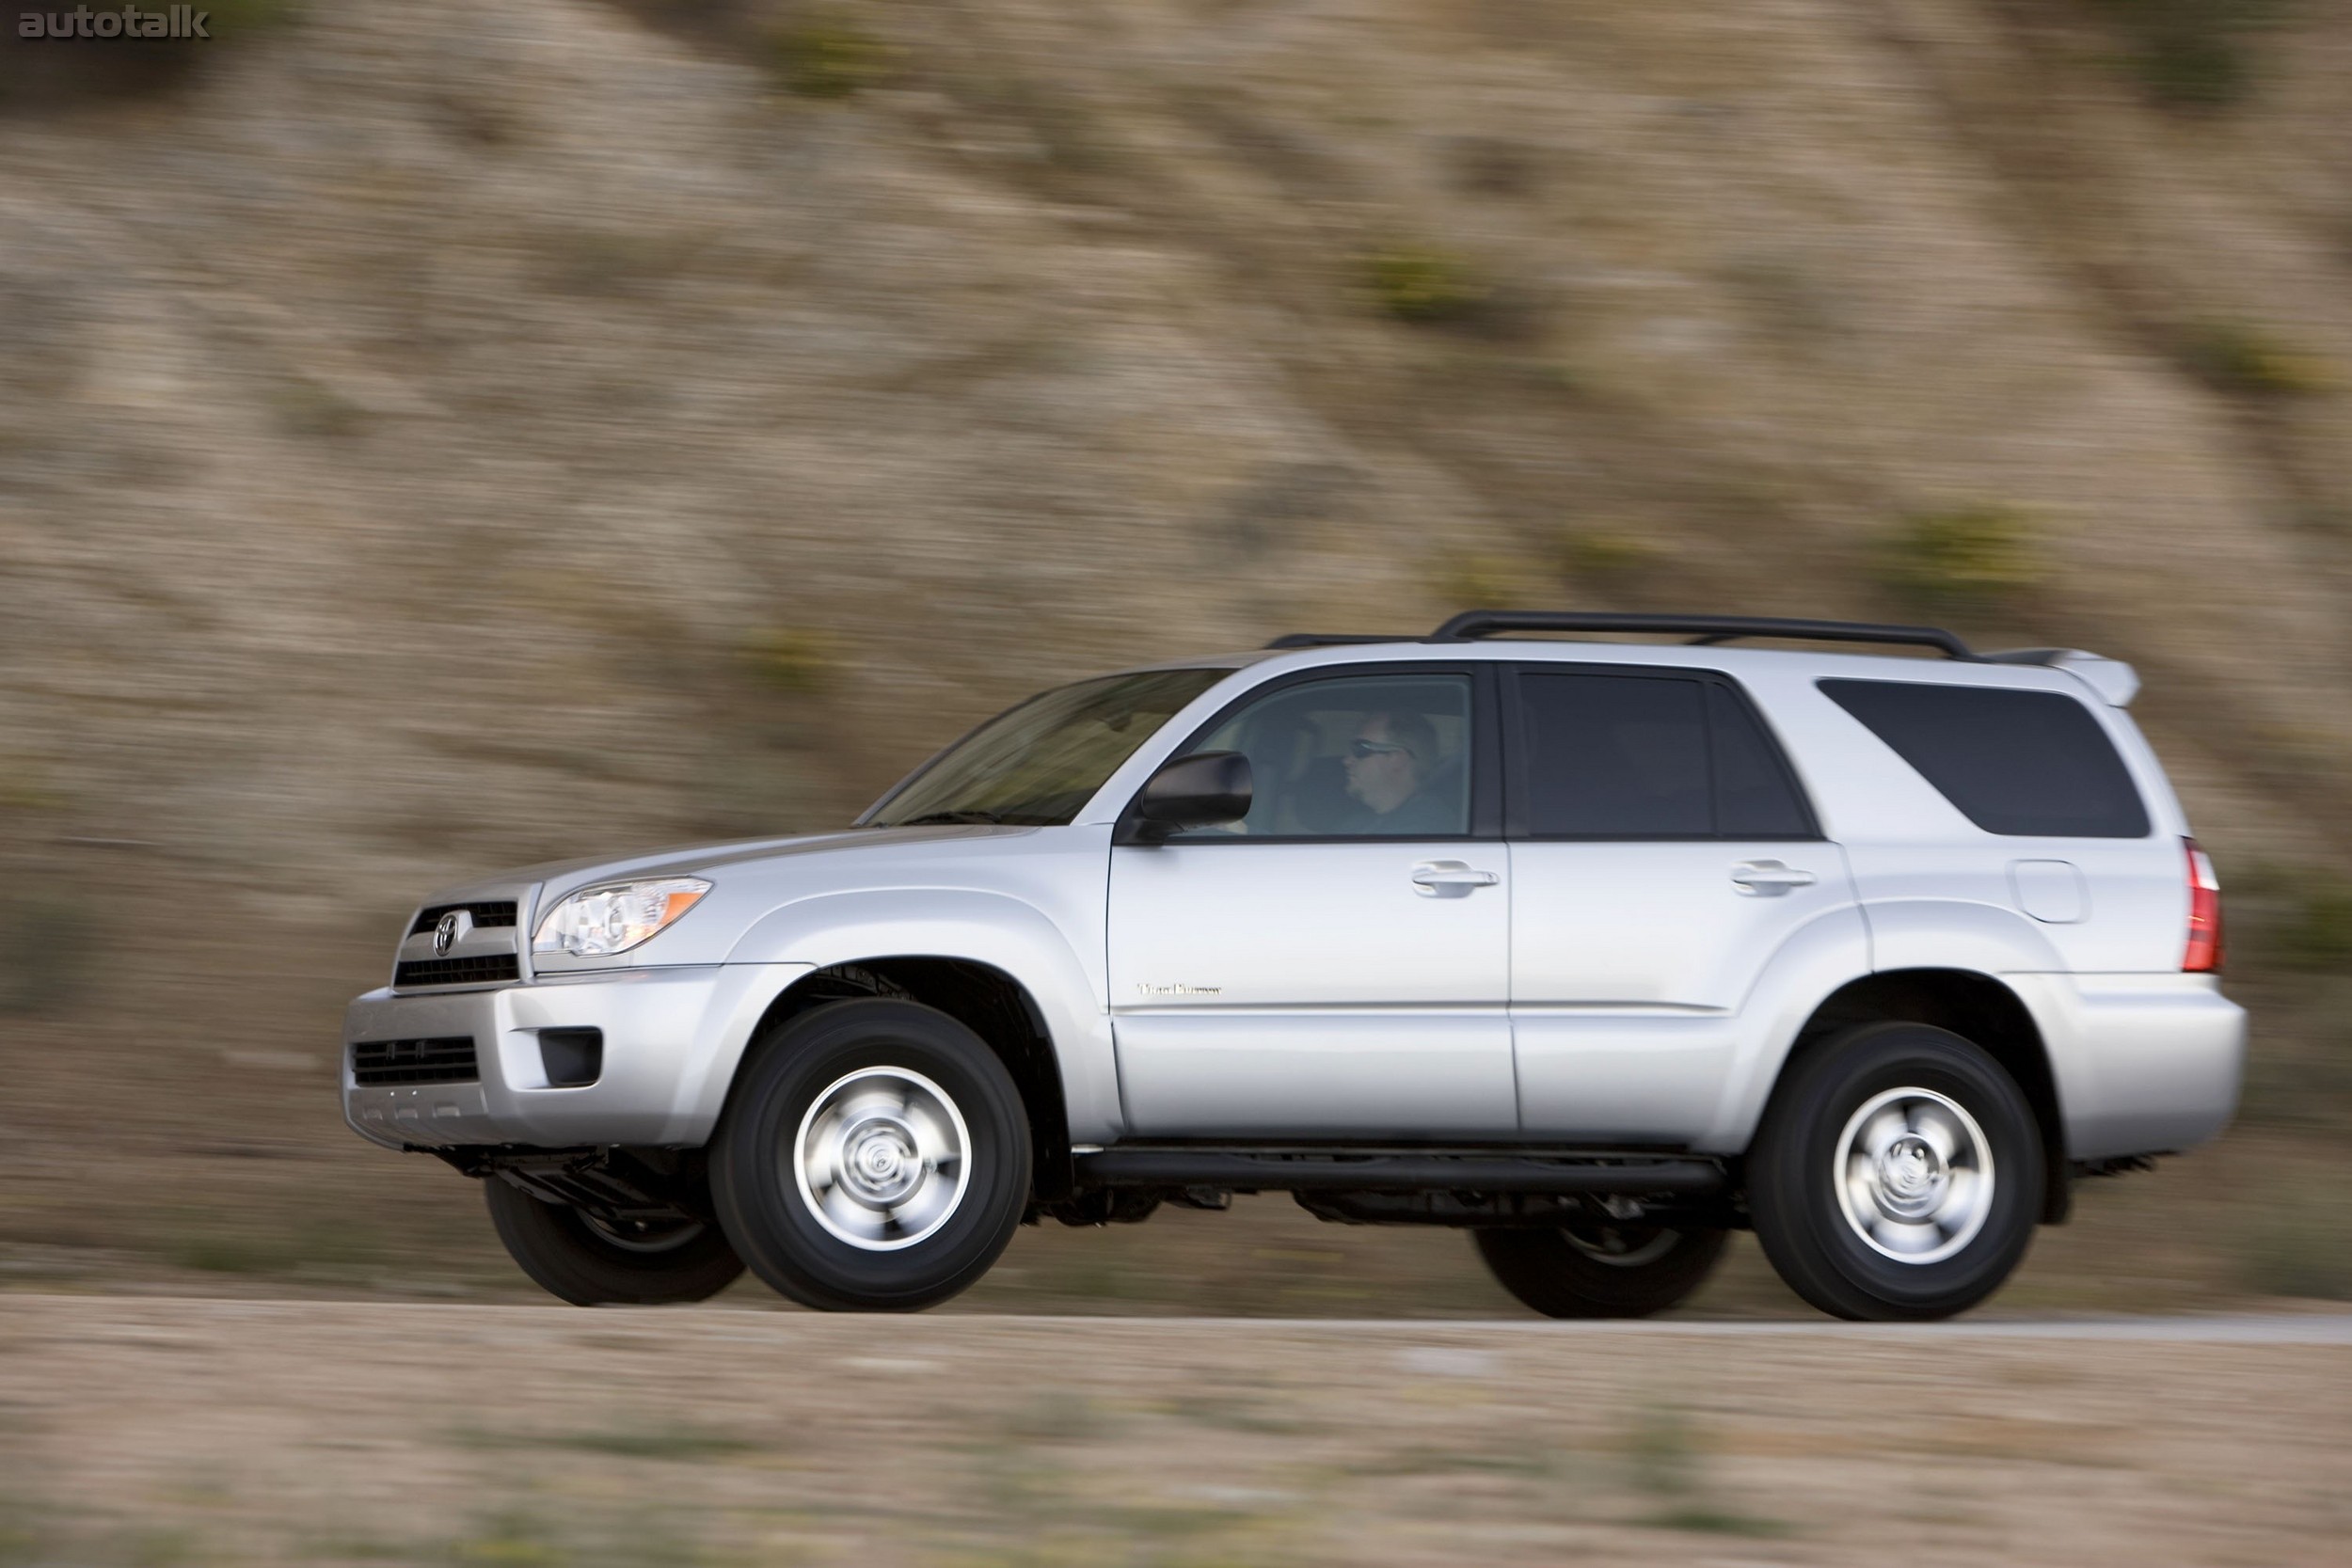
(439, 437)
(178, 1431)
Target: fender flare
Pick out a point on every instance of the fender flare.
(1814, 965)
(992, 929)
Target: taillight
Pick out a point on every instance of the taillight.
(2204, 913)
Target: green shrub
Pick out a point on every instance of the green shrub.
(1422, 284)
(604, 263)
(2192, 54)
(2316, 932)
(1475, 580)
(1967, 557)
(511, 1540)
(666, 1441)
(1669, 1466)
(44, 943)
(793, 659)
(262, 1244)
(306, 409)
(2237, 358)
(2301, 1246)
(1605, 556)
(826, 58)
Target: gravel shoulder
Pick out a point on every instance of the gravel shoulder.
(161, 1432)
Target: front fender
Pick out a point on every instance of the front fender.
(979, 926)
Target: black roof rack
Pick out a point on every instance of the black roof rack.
(1332, 640)
(1473, 623)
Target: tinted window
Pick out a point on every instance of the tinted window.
(2033, 763)
(1038, 764)
(1755, 798)
(1617, 757)
(1371, 756)
(1650, 757)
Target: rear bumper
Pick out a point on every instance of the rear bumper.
(2145, 1064)
(672, 1038)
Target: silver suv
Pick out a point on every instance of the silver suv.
(1599, 950)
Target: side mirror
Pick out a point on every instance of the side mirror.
(1198, 791)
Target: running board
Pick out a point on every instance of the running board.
(1393, 1173)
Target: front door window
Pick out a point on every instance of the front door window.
(1377, 756)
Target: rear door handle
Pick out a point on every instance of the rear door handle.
(1449, 878)
(1769, 879)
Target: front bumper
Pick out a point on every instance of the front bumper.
(672, 1038)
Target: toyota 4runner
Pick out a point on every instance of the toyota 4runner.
(1597, 950)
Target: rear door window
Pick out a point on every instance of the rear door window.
(2029, 764)
(1632, 755)
(1755, 796)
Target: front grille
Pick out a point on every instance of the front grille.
(447, 1060)
(498, 912)
(481, 969)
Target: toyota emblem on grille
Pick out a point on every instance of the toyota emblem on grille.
(445, 935)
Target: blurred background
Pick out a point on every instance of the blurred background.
(437, 436)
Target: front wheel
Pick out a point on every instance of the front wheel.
(589, 1264)
(1601, 1271)
(1897, 1175)
(875, 1157)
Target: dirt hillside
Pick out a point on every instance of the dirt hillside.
(437, 436)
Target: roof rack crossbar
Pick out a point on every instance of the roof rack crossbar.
(1473, 623)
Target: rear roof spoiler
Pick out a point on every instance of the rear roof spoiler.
(2115, 681)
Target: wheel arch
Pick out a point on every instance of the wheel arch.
(1974, 1006)
(985, 998)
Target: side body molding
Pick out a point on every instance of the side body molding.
(979, 926)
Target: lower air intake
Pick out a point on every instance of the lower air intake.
(449, 1059)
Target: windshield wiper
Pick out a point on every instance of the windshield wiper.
(932, 817)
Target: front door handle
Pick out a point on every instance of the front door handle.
(1449, 878)
(1769, 879)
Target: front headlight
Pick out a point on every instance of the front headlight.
(614, 917)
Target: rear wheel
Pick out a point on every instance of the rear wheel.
(1608, 1270)
(875, 1158)
(1897, 1175)
(591, 1264)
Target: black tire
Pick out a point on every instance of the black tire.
(1799, 1167)
(1601, 1271)
(791, 1088)
(572, 1257)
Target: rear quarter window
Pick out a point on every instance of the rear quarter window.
(2029, 764)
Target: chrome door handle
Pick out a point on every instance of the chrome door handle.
(1769, 879)
(1449, 878)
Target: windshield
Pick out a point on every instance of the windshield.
(1035, 765)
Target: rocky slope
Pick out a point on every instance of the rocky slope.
(435, 436)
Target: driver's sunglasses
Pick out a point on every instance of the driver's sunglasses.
(1373, 748)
